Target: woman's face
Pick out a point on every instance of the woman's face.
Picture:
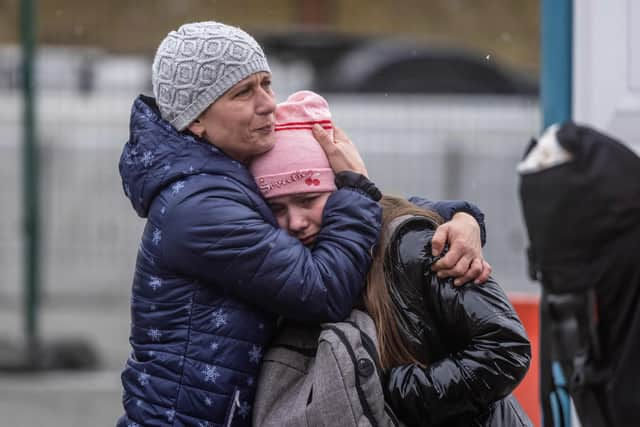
(242, 121)
(300, 214)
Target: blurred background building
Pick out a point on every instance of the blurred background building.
(441, 97)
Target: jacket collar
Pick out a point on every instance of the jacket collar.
(157, 154)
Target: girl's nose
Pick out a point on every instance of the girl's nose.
(297, 221)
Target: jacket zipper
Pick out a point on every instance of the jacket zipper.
(236, 404)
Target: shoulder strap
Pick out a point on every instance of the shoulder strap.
(365, 324)
(358, 336)
(367, 329)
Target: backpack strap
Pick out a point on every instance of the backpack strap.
(361, 321)
(371, 347)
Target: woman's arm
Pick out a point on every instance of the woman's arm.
(488, 352)
(465, 234)
(448, 208)
(219, 238)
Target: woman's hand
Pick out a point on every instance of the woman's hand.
(464, 261)
(342, 154)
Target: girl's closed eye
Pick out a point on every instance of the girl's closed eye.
(309, 201)
(277, 208)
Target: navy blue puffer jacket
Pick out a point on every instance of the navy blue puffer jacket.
(213, 272)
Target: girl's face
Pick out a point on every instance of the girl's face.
(300, 214)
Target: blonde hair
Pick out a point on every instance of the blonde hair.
(393, 349)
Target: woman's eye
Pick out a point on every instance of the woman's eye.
(243, 92)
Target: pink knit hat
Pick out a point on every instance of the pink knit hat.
(296, 163)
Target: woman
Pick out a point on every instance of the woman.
(453, 355)
(213, 270)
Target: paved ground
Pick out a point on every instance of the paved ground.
(67, 398)
(60, 399)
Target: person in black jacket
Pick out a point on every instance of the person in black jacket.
(453, 354)
(580, 194)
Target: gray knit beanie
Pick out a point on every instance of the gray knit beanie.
(197, 64)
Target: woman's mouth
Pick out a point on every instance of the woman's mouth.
(265, 129)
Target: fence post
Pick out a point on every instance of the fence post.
(30, 181)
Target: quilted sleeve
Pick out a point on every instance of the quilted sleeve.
(217, 236)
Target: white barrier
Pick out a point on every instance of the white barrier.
(438, 147)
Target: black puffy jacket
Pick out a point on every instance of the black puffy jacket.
(474, 343)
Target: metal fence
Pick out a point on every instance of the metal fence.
(438, 147)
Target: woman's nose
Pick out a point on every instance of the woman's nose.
(266, 102)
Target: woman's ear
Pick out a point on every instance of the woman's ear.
(197, 128)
